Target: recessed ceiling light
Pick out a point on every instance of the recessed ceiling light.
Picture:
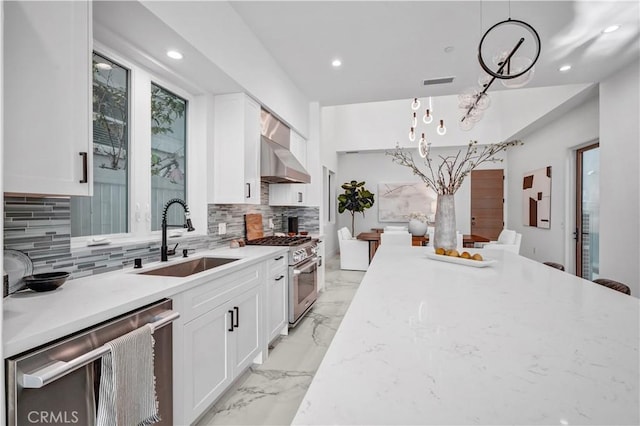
(336, 63)
(174, 54)
(610, 29)
(103, 66)
(564, 68)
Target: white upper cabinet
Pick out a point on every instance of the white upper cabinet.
(291, 194)
(235, 166)
(47, 97)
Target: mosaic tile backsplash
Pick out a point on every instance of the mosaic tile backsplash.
(41, 228)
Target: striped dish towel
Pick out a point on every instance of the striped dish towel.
(127, 383)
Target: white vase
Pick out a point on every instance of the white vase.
(417, 227)
(445, 232)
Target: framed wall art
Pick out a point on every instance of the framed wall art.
(397, 200)
(536, 198)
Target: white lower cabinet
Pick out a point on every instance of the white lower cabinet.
(225, 325)
(207, 370)
(276, 301)
(244, 335)
(221, 336)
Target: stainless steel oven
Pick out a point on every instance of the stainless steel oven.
(303, 265)
(303, 288)
(58, 384)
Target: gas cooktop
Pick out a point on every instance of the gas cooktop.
(278, 241)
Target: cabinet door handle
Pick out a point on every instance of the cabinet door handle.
(248, 189)
(85, 168)
(237, 324)
(278, 258)
(280, 277)
(231, 323)
(299, 197)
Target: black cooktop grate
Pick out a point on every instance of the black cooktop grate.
(278, 241)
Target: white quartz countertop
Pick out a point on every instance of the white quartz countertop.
(428, 342)
(32, 319)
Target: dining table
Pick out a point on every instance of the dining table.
(373, 238)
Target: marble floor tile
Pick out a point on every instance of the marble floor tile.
(269, 394)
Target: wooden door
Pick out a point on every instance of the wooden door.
(487, 203)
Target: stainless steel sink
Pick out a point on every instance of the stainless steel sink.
(184, 269)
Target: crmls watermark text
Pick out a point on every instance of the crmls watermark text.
(44, 417)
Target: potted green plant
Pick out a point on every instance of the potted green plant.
(356, 199)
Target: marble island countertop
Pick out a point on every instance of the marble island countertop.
(429, 342)
(32, 319)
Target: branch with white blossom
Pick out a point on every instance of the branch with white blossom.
(452, 170)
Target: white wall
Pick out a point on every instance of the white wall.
(553, 145)
(380, 125)
(376, 167)
(619, 185)
(328, 159)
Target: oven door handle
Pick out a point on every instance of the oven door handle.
(305, 266)
(50, 373)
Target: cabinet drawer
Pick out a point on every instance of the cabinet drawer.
(277, 262)
(210, 295)
(273, 274)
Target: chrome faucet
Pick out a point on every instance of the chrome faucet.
(188, 225)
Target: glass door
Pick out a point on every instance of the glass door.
(587, 233)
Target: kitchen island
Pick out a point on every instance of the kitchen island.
(517, 342)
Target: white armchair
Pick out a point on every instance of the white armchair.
(507, 240)
(396, 238)
(354, 253)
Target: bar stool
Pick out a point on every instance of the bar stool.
(615, 285)
(555, 265)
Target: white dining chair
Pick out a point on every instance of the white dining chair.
(397, 238)
(392, 228)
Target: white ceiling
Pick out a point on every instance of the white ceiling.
(389, 47)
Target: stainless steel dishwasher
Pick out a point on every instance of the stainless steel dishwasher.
(57, 384)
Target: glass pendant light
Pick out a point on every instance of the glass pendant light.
(484, 80)
(475, 115)
(441, 129)
(482, 100)
(414, 120)
(415, 104)
(467, 98)
(465, 123)
(519, 64)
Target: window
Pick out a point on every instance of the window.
(141, 125)
(168, 145)
(107, 211)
